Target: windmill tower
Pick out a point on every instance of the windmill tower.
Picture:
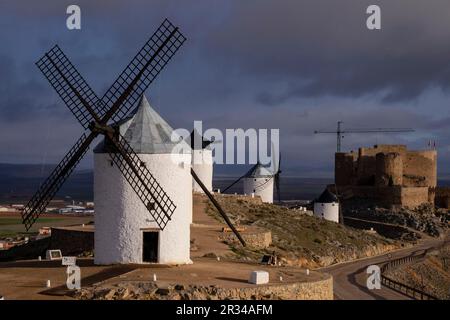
(202, 161)
(133, 163)
(327, 206)
(96, 115)
(120, 216)
(259, 181)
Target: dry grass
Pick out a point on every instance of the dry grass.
(297, 237)
(432, 275)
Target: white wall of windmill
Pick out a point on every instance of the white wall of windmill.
(327, 211)
(202, 163)
(261, 186)
(121, 217)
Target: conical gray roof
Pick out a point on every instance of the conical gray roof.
(326, 197)
(146, 131)
(259, 171)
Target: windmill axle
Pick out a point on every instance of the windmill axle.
(99, 128)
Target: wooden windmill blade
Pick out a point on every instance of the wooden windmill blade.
(122, 96)
(218, 207)
(53, 183)
(70, 86)
(147, 188)
(240, 178)
(92, 114)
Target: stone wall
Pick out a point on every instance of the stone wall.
(255, 238)
(256, 200)
(30, 250)
(345, 168)
(420, 168)
(321, 289)
(413, 197)
(387, 196)
(72, 242)
(409, 176)
(314, 290)
(389, 169)
(442, 197)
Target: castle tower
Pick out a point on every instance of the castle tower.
(124, 230)
(259, 180)
(202, 161)
(389, 169)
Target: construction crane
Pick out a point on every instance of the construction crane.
(340, 132)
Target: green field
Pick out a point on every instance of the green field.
(11, 226)
(14, 221)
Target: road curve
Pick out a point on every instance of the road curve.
(350, 278)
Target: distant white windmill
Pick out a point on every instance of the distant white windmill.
(202, 161)
(260, 179)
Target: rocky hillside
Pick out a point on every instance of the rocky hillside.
(432, 275)
(425, 219)
(297, 237)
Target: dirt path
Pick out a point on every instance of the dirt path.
(27, 279)
(205, 231)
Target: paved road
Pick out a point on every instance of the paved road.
(350, 278)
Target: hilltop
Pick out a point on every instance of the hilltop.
(298, 238)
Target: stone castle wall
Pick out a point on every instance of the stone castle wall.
(389, 174)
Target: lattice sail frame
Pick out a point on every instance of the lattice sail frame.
(53, 183)
(168, 40)
(70, 85)
(93, 113)
(142, 181)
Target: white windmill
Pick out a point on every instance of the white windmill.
(326, 206)
(142, 184)
(260, 180)
(202, 161)
(121, 217)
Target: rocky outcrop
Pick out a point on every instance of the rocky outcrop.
(425, 219)
(315, 290)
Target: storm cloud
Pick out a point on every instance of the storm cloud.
(296, 65)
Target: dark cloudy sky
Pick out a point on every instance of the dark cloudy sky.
(296, 65)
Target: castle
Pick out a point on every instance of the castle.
(387, 175)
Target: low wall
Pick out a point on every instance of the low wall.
(247, 198)
(314, 290)
(321, 289)
(72, 242)
(254, 238)
(30, 250)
